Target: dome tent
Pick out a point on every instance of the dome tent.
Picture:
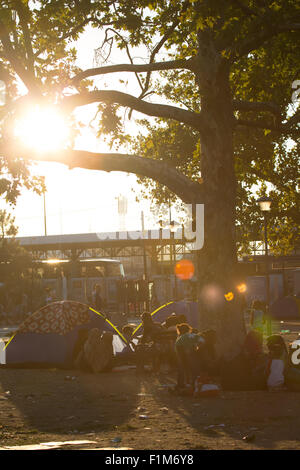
(48, 336)
(285, 308)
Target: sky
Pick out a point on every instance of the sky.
(78, 200)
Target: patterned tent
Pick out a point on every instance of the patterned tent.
(57, 317)
(49, 335)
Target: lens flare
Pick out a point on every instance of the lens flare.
(184, 269)
(242, 288)
(212, 296)
(42, 129)
(229, 296)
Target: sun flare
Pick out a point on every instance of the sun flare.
(42, 129)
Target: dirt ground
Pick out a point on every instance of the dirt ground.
(122, 410)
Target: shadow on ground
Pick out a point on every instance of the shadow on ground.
(269, 419)
(64, 401)
(138, 411)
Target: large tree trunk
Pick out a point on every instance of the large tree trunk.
(217, 261)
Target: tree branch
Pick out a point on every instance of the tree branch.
(127, 51)
(267, 31)
(10, 55)
(155, 51)
(136, 68)
(256, 106)
(279, 127)
(156, 110)
(273, 178)
(189, 191)
(22, 13)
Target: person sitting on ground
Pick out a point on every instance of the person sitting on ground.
(207, 362)
(77, 356)
(151, 329)
(277, 342)
(277, 363)
(173, 320)
(253, 345)
(254, 356)
(145, 349)
(97, 353)
(154, 346)
(246, 371)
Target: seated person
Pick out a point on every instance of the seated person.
(81, 339)
(171, 323)
(97, 352)
(151, 329)
(246, 371)
(277, 363)
(154, 344)
(174, 320)
(253, 345)
(206, 353)
(128, 355)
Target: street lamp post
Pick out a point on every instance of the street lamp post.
(44, 202)
(173, 255)
(45, 217)
(265, 206)
(172, 227)
(145, 261)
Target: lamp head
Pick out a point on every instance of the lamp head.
(264, 203)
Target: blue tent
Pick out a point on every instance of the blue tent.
(285, 308)
(48, 336)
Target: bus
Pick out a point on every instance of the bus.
(75, 280)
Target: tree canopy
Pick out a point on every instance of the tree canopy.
(217, 77)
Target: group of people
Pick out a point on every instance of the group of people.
(176, 344)
(192, 355)
(264, 362)
(173, 343)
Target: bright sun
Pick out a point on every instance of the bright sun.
(42, 129)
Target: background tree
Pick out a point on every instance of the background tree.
(236, 61)
(15, 264)
(15, 260)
